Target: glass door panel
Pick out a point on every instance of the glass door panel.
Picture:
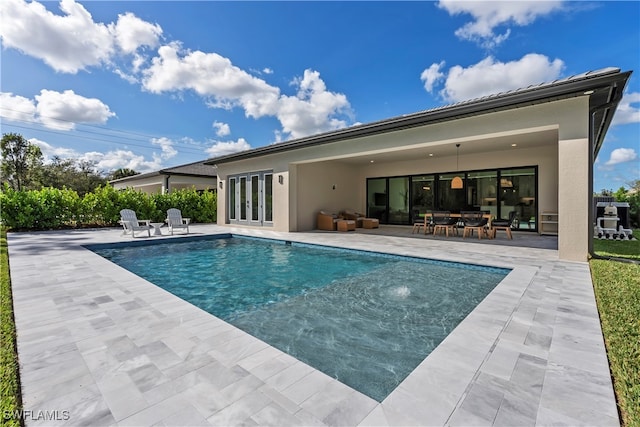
(255, 198)
(482, 192)
(377, 199)
(450, 199)
(518, 193)
(268, 197)
(232, 199)
(399, 200)
(244, 204)
(422, 191)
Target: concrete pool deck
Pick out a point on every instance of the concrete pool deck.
(100, 346)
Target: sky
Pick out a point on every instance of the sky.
(147, 85)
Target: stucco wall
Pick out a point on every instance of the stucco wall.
(156, 184)
(331, 186)
(311, 173)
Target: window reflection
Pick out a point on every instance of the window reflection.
(518, 193)
(498, 192)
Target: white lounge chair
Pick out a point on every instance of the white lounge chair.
(175, 220)
(131, 223)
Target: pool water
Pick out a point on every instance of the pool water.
(365, 319)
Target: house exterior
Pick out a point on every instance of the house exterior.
(193, 175)
(529, 150)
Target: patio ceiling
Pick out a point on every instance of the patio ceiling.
(488, 143)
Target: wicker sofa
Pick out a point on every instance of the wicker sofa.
(327, 221)
(351, 214)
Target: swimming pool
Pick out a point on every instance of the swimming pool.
(363, 318)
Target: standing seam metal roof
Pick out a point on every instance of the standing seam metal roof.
(607, 78)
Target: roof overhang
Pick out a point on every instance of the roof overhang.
(604, 88)
(187, 170)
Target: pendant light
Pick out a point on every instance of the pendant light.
(456, 182)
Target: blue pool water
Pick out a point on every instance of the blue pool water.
(365, 319)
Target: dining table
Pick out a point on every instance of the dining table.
(427, 216)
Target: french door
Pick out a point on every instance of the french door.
(250, 199)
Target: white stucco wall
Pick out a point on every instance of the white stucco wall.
(560, 151)
(156, 184)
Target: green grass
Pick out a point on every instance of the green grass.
(9, 376)
(618, 248)
(617, 289)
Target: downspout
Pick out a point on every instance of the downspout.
(166, 184)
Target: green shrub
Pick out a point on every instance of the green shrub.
(39, 209)
(51, 208)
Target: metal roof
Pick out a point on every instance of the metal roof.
(607, 85)
(199, 169)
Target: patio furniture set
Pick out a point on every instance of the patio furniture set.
(437, 222)
(346, 220)
(131, 224)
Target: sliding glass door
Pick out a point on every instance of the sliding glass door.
(401, 200)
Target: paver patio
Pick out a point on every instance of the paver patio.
(101, 346)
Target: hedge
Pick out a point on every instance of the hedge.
(53, 208)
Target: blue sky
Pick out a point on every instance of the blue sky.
(147, 85)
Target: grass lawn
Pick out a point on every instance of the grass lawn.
(618, 248)
(9, 379)
(617, 290)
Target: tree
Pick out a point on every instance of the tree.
(631, 196)
(20, 161)
(78, 175)
(121, 173)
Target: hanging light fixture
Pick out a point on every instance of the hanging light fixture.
(456, 182)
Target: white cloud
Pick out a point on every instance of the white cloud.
(107, 162)
(49, 151)
(314, 109)
(626, 112)
(432, 75)
(55, 110)
(17, 108)
(117, 159)
(131, 33)
(488, 15)
(67, 43)
(210, 75)
(166, 145)
(622, 155)
(222, 148)
(489, 76)
(62, 111)
(72, 41)
(111, 160)
(222, 129)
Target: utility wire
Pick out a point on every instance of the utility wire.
(127, 138)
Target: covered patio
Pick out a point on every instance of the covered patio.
(520, 239)
(529, 151)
